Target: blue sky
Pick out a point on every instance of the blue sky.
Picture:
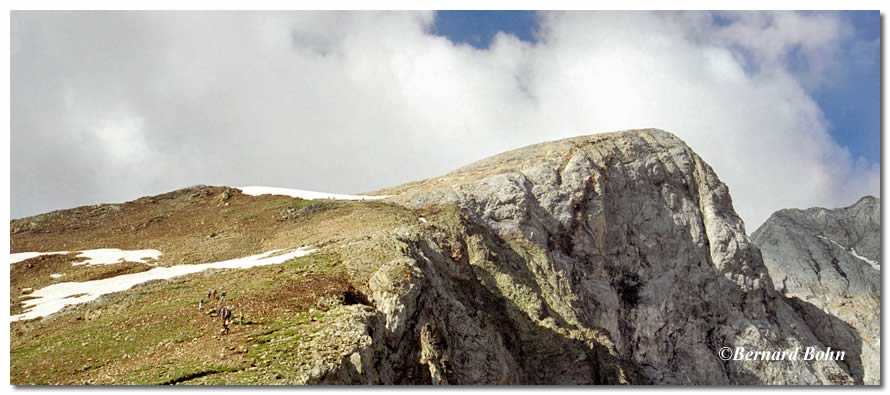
(853, 102)
(477, 28)
(850, 101)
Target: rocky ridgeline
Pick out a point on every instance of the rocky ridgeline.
(607, 259)
(827, 263)
(613, 258)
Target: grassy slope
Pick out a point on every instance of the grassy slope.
(154, 332)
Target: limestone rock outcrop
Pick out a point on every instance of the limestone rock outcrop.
(612, 258)
(827, 263)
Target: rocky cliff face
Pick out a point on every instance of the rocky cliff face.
(601, 259)
(827, 263)
(607, 259)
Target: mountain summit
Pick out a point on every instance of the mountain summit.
(605, 259)
(828, 263)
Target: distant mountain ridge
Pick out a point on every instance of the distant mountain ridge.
(614, 258)
(830, 259)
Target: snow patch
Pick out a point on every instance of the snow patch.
(51, 299)
(422, 220)
(101, 256)
(56, 275)
(873, 264)
(308, 195)
(852, 251)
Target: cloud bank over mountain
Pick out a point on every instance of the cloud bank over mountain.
(113, 106)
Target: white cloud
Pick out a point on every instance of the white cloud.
(353, 102)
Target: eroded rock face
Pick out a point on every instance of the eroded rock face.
(827, 263)
(613, 258)
(608, 259)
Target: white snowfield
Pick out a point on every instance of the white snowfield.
(101, 256)
(54, 298)
(308, 195)
(873, 264)
(21, 256)
(852, 251)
